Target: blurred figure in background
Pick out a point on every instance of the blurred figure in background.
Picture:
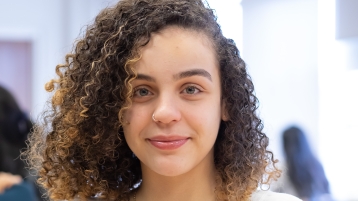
(14, 129)
(305, 176)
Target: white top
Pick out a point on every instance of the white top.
(272, 196)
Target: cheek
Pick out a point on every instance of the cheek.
(136, 119)
(205, 117)
(136, 114)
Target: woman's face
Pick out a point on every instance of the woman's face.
(178, 81)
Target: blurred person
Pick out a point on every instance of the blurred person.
(14, 129)
(305, 176)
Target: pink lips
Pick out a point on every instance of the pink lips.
(168, 143)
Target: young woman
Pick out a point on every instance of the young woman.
(153, 104)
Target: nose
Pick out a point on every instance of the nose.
(167, 110)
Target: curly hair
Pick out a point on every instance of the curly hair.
(80, 150)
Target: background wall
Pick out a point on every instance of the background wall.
(338, 84)
(280, 49)
(302, 55)
(50, 27)
(17, 56)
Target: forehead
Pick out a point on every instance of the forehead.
(183, 35)
(180, 46)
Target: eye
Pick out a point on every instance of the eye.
(191, 90)
(140, 92)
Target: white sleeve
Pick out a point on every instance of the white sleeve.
(272, 196)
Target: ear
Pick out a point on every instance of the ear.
(224, 113)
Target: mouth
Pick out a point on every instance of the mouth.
(168, 143)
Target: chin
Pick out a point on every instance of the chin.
(170, 168)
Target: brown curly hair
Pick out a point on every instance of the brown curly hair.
(80, 149)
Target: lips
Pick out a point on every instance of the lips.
(168, 142)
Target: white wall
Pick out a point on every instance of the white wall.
(338, 82)
(280, 49)
(229, 13)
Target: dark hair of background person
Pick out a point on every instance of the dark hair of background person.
(304, 170)
(14, 129)
(81, 151)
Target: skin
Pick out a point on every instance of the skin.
(178, 81)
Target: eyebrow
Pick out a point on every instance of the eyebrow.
(145, 77)
(193, 72)
(181, 75)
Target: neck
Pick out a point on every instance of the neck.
(196, 185)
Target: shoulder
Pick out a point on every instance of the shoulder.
(272, 196)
